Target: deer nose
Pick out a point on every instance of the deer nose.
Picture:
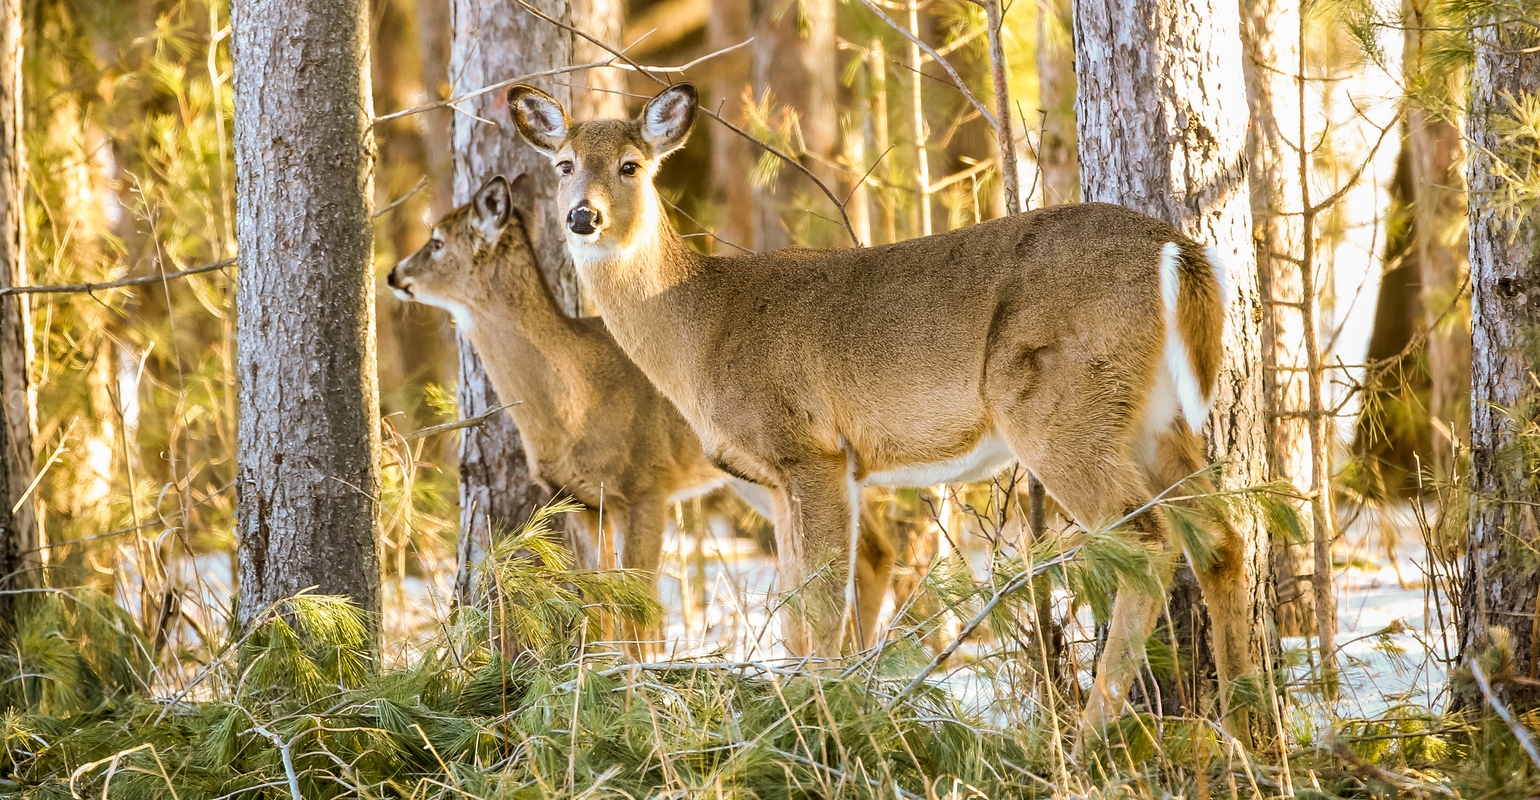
(584, 219)
(394, 278)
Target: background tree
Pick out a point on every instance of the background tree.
(1158, 132)
(794, 66)
(1435, 152)
(1502, 573)
(309, 444)
(18, 528)
(1271, 31)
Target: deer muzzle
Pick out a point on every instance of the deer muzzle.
(584, 220)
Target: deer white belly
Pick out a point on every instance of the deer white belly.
(986, 459)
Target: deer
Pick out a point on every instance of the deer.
(592, 424)
(1082, 342)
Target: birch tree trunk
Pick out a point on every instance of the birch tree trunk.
(1502, 575)
(1270, 31)
(309, 438)
(18, 530)
(1158, 132)
(794, 58)
(1436, 152)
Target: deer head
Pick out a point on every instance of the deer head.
(606, 166)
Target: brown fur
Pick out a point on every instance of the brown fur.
(588, 416)
(810, 370)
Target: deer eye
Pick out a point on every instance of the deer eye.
(629, 169)
(436, 243)
(565, 167)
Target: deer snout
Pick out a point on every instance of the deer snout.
(584, 220)
(399, 282)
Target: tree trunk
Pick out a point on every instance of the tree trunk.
(1058, 153)
(1502, 575)
(494, 41)
(605, 95)
(794, 59)
(433, 51)
(1270, 30)
(732, 156)
(307, 459)
(1438, 207)
(18, 531)
(1158, 132)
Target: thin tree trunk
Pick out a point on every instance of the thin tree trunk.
(307, 459)
(1058, 152)
(1271, 37)
(1502, 575)
(18, 531)
(1158, 132)
(1438, 208)
(794, 59)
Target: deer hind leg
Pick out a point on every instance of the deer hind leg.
(874, 571)
(814, 523)
(1178, 455)
(1095, 480)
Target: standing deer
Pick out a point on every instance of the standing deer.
(1083, 341)
(588, 417)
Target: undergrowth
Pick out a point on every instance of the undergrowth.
(295, 706)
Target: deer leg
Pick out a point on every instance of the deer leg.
(642, 551)
(813, 531)
(1179, 455)
(1098, 485)
(874, 571)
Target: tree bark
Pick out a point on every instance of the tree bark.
(1058, 152)
(309, 436)
(1270, 31)
(1502, 575)
(1435, 149)
(18, 530)
(493, 41)
(1158, 132)
(794, 59)
(605, 92)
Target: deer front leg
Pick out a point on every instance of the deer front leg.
(642, 551)
(814, 525)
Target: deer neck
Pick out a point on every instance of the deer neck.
(521, 333)
(656, 261)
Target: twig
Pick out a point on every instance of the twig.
(1502, 711)
(117, 284)
(938, 58)
(649, 73)
(469, 422)
(402, 199)
(286, 752)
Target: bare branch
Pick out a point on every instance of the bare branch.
(85, 288)
(469, 422)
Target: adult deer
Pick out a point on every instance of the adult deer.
(588, 417)
(1083, 341)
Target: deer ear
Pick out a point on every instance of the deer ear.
(521, 190)
(493, 204)
(667, 119)
(540, 119)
